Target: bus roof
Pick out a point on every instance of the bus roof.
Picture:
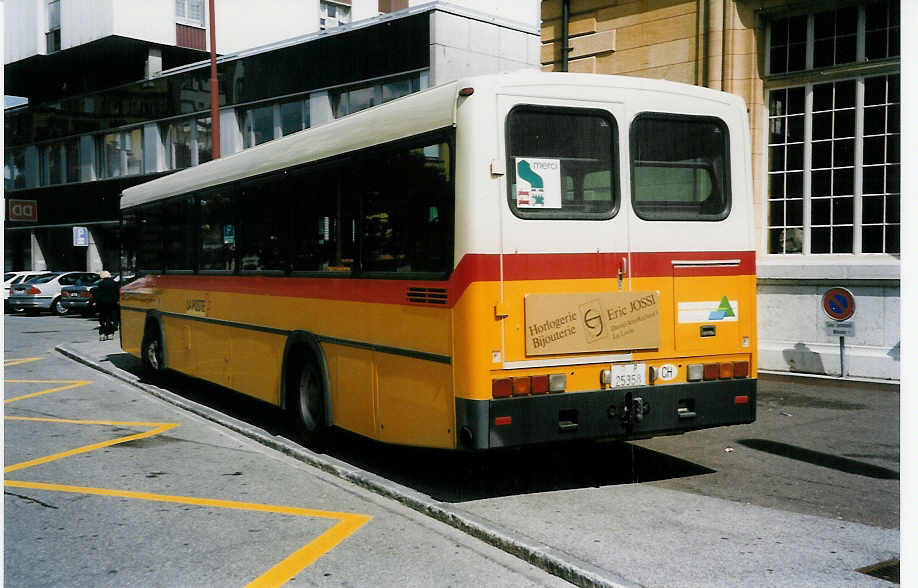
(428, 110)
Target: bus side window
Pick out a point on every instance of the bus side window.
(323, 220)
(217, 232)
(406, 211)
(263, 220)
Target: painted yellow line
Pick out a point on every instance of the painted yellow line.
(303, 557)
(12, 362)
(278, 574)
(160, 428)
(70, 384)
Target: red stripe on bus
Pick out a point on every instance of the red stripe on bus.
(472, 268)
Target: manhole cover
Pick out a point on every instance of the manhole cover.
(885, 570)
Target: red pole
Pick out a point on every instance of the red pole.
(214, 93)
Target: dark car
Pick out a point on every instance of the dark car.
(78, 298)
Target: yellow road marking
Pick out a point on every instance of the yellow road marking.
(12, 362)
(159, 428)
(69, 384)
(278, 574)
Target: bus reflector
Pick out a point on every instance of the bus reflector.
(557, 382)
(504, 420)
(695, 372)
(501, 388)
(711, 371)
(521, 386)
(540, 384)
(740, 369)
(741, 399)
(726, 371)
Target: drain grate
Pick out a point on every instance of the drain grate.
(885, 570)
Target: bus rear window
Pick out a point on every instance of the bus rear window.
(560, 163)
(680, 168)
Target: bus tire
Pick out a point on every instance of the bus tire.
(306, 398)
(151, 351)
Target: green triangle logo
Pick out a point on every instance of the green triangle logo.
(725, 307)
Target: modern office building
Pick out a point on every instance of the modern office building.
(119, 92)
(822, 83)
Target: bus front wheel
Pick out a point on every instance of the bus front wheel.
(308, 398)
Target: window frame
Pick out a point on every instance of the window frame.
(858, 167)
(726, 181)
(558, 213)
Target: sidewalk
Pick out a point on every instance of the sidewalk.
(611, 535)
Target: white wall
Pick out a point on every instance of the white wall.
(793, 338)
(151, 20)
(244, 25)
(361, 9)
(23, 34)
(526, 12)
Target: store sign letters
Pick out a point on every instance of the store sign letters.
(578, 323)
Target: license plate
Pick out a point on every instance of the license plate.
(629, 374)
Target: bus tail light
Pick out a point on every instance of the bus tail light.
(557, 382)
(740, 369)
(726, 370)
(501, 388)
(521, 386)
(540, 384)
(711, 371)
(695, 372)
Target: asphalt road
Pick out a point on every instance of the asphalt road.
(106, 485)
(805, 496)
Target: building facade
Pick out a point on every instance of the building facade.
(821, 80)
(116, 110)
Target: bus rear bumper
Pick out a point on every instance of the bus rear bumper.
(618, 413)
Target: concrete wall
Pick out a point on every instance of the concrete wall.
(461, 44)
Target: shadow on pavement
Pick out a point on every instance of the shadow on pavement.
(446, 476)
(842, 464)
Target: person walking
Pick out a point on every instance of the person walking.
(106, 297)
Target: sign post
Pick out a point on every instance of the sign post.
(838, 305)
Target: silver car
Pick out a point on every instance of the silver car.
(10, 279)
(44, 293)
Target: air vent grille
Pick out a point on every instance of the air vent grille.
(427, 295)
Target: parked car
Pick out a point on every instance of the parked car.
(79, 298)
(10, 279)
(44, 293)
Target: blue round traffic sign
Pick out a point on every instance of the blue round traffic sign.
(838, 304)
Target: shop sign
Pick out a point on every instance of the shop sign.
(23, 210)
(591, 322)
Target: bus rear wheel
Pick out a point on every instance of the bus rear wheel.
(151, 352)
(307, 398)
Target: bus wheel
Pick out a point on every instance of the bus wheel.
(151, 352)
(308, 398)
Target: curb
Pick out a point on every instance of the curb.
(545, 557)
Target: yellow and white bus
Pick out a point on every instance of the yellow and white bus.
(498, 261)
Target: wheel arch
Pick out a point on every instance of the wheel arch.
(304, 342)
(153, 324)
